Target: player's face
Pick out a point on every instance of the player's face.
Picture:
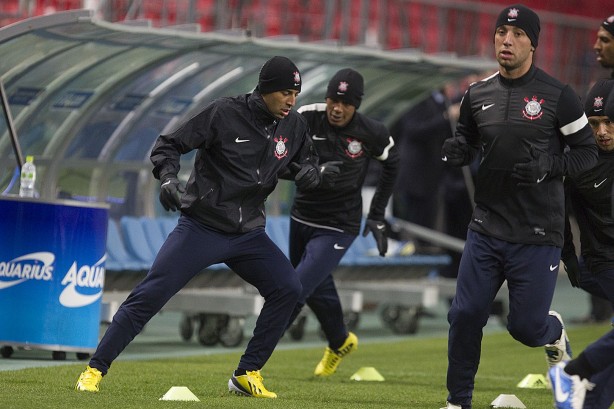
(514, 51)
(280, 103)
(603, 130)
(339, 113)
(604, 48)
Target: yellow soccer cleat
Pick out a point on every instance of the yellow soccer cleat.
(249, 384)
(332, 358)
(89, 380)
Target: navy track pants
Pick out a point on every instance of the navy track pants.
(531, 273)
(189, 249)
(316, 252)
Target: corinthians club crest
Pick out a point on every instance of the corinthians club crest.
(354, 148)
(533, 108)
(281, 151)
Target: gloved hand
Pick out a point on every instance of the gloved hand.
(572, 268)
(454, 151)
(378, 229)
(535, 171)
(329, 172)
(170, 193)
(307, 175)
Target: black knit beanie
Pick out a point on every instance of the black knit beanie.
(346, 85)
(522, 17)
(597, 97)
(277, 74)
(608, 24)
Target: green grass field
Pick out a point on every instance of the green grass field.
(414, 372)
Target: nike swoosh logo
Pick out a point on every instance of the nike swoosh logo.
(600, 183)
(166, 183)
(559, 395)
(511, 19)
(552, 268)
(380, 226)
(241, 140)
(445, 159)
(541, 179)
(485, 107)
(318, 138)
(338, 247)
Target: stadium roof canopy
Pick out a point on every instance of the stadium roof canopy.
(88, 97)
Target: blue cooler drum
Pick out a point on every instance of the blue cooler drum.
(52, 269)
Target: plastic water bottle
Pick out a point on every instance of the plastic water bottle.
(28, 178)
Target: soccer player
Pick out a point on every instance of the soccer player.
(242, 144)
(325, 221)
(520, 119)
(588, 381)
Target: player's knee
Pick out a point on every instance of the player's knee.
(525, 334)
(467, 316)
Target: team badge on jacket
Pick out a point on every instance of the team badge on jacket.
(354, 148)
(533, 108)
(280, 147)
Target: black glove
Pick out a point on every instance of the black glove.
(534, 171)
(572, 268)
(454, 151)
(378, 229)
(170, 193)
(329, 172)
(307, 175)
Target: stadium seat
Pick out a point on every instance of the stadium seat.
(154, 233)
(118, 259)
(136, 240)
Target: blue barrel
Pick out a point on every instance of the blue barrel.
(52, 256)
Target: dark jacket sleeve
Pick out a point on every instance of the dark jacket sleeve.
(168, 148)
(583, 152)
(386, 182)
(467, 129)
(569, 249)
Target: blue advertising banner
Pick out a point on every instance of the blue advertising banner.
(51, 273)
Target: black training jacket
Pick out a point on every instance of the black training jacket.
(241, 149)
(340, 206)
(505, 118)
(591, 197)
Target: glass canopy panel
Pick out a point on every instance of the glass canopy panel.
(88, 93)
(172, 104)
(40, 114)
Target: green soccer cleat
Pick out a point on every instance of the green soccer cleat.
(89, 380)
(249, 384)
(331, 359)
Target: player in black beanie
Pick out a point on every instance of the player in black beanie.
(518, 120)
(522, 17)
(588, 380)
(326, 220)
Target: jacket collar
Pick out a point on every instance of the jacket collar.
(259, 108)
(518, 82)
